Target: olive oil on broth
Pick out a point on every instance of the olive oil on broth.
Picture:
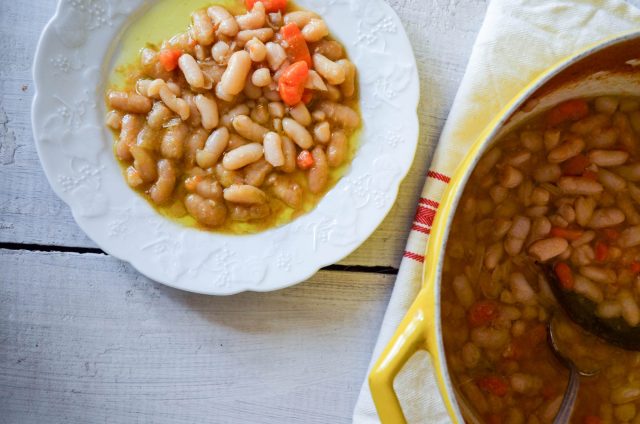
(161, 22)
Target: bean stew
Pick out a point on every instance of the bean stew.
(562, 189)
(240, 123)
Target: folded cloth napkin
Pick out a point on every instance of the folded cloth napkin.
(517, 41)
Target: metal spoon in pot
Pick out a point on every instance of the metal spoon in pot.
(571, 392)
(582, 311)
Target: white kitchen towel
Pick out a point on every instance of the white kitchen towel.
(517, 41)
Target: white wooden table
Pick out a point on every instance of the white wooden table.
(85, 339)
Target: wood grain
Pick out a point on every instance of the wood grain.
(86, 339)
(441, 32)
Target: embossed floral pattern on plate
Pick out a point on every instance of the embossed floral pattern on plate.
(75, 152)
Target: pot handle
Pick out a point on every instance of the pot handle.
(408, 339)
(416, 332)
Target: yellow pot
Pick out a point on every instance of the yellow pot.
(611, 66)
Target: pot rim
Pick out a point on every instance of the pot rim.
(434, 257)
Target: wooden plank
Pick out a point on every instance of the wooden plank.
(86, 339)
(30, 213)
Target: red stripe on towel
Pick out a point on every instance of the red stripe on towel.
(413, 256)
(438, 176)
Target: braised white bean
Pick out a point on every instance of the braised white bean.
(242, 156)
(206, 126)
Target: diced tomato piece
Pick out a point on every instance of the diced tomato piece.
(571, 110)
(602, 251)
(269, 5)
(515, 350)
(169, 58)
(493, 384)
(575, 166)
(483, 312)
(307, 96)
(635, 267)
(291, 83)
(537, 334)
(565, 233)
(565, 275)
(611, 234)
(494, 419)
(590, 175)
(295, 44)
(592, 419)
(305, 160)
(549, 392)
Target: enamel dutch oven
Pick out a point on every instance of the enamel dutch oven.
(608, 67)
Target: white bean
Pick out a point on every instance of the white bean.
(262, 34)
(579, 186)
(273, 149)
(213, 148)
(276, 109)
(234, 77)
(244, 194)
(599, 274)
(249, 129)
(611, 181)
(510, 177)
(207, 212)
(275, 55)
(337, 150)
(130, 127)
(315, 30)
(330, 70)
(588, 289)
(630, 310)
(297, 132)
(630, 237)
(546, 249)
(464, 292)
(299, 17)
(203, 29)
(172, 143)
(129, 102)
(348, 87)
(566, 150)
(261, 77)
(315, 82)
(253, 19)
(257, 50)
(242, 156)
(339, 114)
(606, 104)
(227, 118)
(319, 173)
(606, 217)
(290, 153)
(301, 114)
(521, 289)
(208, 109)
(192, 72)
(220, 52)
(144, 163)
(162, 189)
(608, 157)
(322, 132)
(114, 119)
(174, 103)
(223, 20)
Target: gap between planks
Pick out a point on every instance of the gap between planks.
(385, 270)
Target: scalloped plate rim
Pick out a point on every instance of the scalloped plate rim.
(413, 133)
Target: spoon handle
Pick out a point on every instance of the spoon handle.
(569, 399)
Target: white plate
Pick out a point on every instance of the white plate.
(70, 72)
